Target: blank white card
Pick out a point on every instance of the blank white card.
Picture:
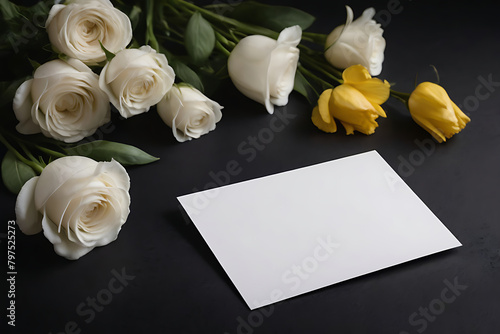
(283, 235)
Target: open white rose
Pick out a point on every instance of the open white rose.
(188, 112)
(77, 202)
(63, 101)
(76, 28)
(136, 79)
(359, 42)
(263, 69)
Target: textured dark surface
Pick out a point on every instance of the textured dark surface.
(178, 285)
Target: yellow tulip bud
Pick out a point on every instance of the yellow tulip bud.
(432, 109)
(355, 103)
(353, 110)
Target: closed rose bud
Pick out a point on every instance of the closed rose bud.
(432, 109)
(188, 112)
(358, 42)
(355, 103)
(263, 69)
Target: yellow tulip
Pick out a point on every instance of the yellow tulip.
(432, 109)
(355, 103)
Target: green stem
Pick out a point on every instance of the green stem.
(36, 166)
(173, 9)
(314, 37)
(313, 76)
(246, 28)
(150, 35)
(221, 48)
(401, 95)
(223, 39)
(325, 70)
(50, 152)
(28, 153)
(171, 39)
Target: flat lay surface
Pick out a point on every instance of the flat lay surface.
(160, 276)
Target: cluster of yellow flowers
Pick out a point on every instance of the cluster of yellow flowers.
(356, 104)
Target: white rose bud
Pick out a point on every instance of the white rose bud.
(188, 112)
(77, 202)
(136, 79)
(359, 42)
(63, 101)
(263, 69)
(75, 29)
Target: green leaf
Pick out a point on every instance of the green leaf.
(15, 173)
(102, 150)
(186, 74)
(9, 10)
(275, 18)
(199, 38)
(304, 87)
(300, 84)
(34, 64)
(109, 55)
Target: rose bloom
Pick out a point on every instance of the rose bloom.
(136, 79)
(63, 101)
(76, 28)
(77, 202)
(358, 42)
(263, 69)
(188, 112)
(431, 108)
(355, 103)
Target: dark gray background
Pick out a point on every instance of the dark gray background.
(178, 285)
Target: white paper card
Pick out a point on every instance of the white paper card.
(282, 235)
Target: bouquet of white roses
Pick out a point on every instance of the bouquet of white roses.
(88, 58)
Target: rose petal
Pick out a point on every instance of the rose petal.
(58, 172)
(290, 36)
(119, 177)
(62, 245)
(28, 218)
(22, 109)
(248, 67)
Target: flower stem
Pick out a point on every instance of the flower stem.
(50, 152)
(326, 70)
(314, 37)
(403, 97)
(221, 48)
(35, 165)
(224, 40)
(244, 27)
(150, 35)
(28, 153)
(315, 77)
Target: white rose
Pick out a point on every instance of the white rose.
(77, 202)
(75, 29)
(188, 112)
(264, 69)
(136, 79)
(358, 42)
(63, 101)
